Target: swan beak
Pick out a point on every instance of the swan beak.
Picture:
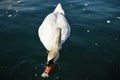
(47, 71)
(48, 68)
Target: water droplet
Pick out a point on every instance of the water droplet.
(108, 21)
(118, 17)
(16, 10)
(9, 15)
(71, 5)
(116, 38)
(32, 24)
(19, 1)
(96, 44)
(88, 31)
(85, 4)
(57, 77)
(15, 15)
(84, 9)
(35, 74)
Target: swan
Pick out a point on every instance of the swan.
(53, 32)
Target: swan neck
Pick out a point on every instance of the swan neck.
(55, 48)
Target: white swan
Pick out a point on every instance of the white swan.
(53, 32)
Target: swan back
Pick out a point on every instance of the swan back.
(47, 29)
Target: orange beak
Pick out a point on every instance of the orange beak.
(48, 69)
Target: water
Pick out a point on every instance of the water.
(91, 53)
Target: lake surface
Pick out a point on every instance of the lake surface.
(91, 53)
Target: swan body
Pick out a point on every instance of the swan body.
(53, 32)
(49, 25)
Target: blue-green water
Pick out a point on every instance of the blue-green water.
(91, 53)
